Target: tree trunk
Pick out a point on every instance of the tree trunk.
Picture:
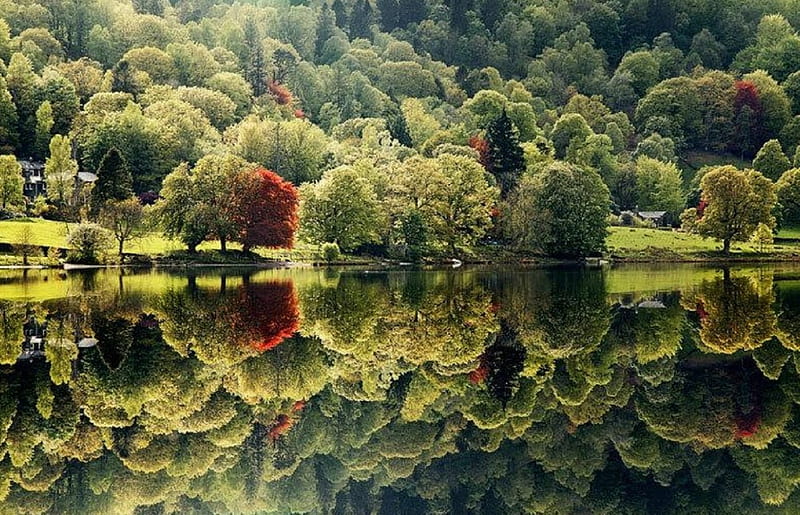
(121, 244)
(246, 248)
(192, 248)
(223, 245)
(726, 246)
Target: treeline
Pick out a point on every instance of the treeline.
(376, 110)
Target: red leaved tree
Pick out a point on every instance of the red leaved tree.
(748, 118)
(264, 209)
(280, 93)
(482, 146)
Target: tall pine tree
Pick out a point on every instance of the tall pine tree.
(254, 71)
(340, 11)
(396, 123)
(390, 14)
(326, 27)
(114, 181)
(361, 20)
(412, 11)
(506, 157)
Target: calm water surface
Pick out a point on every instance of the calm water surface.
(630, 390)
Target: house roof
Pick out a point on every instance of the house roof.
(29, 164)
(652, 214)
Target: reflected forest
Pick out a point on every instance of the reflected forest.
(479, 391)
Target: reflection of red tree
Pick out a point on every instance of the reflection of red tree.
(701, 311)
(298, 406)
(747, 425)
(480, 374)
(270, 313)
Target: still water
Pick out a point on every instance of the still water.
(487, 390)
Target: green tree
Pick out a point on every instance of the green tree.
(762, 237)
(255, 68)
(659, 186)
(771, 161)
(114, 180)
(561, 210)
(11, 183)
(341, 208)
(506, 157)
(737, 201)
(60, 171)
(8, 120)
(22, 83)
(124, 218)
(44, 126)
(788, 191)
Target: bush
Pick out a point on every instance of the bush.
(87, 241)
(331, 252)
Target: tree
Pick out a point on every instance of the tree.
(60, 171)
(771, 161)
(8, 119)
(264, 209)
(87, 240)
(561, 210)
(124, 218)
(22, 83)
(326, 28)
(506, 157)
(659, 186)
(462, 207)
(389, 13)
(763, 236)
(788, 191)
(24, 246)
(114, 180)
(341, 208)
(44, 126)
(736, 202)
(11, 183)
(361, 20)
(255, 69)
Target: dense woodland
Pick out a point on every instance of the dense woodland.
(402, 128)
(540, 392)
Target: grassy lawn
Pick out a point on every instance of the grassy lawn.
(789, 233)
(47, 233)
(631, 242)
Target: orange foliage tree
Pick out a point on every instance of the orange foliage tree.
(264, 209)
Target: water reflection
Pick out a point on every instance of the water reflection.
(483, 391)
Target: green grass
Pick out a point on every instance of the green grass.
(789, 233)
(652, 243)
(46, 233)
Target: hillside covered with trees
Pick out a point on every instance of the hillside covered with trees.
(400, 128)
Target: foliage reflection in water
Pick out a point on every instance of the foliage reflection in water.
(477, 391)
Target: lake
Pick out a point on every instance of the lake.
(641, 389)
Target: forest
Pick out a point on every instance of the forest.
(405, 129)
(539, 392)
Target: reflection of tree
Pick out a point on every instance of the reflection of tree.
(735, 312)
(504, 360)
(230, 324)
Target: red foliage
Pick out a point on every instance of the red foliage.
(701, 208)
(480, 374)
(747, 425)
(299, 113)
(280, 93)
(747, 95)
(280, 427)
(271, 313)
(264, 208)
(494, 307)
(482, 146)
(298, 406)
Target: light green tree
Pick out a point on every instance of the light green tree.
(11, 183)
(60, 171)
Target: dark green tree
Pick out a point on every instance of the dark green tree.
(397, 125)
(326, 27)
(412, 11)
(114, 181)
(340, 12)
(506, 157)
(254, 72)
(361, 20)
(390, 14)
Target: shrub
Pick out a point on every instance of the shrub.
(331, 252)
(87, 240)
